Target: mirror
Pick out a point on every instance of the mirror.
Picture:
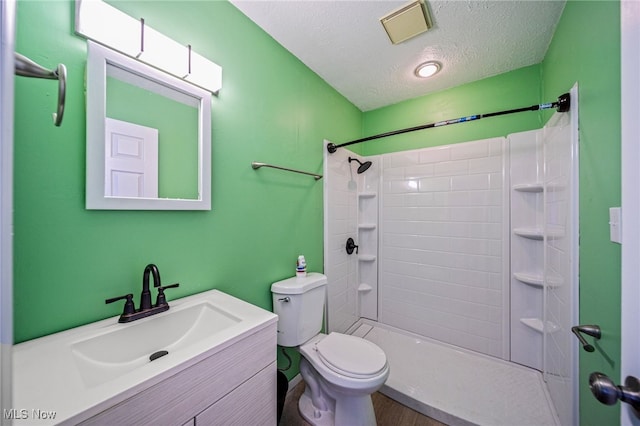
(148, 137)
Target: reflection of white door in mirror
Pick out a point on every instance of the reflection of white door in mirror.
(131, 160)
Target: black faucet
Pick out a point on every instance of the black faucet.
(145, 296)
(146, 308)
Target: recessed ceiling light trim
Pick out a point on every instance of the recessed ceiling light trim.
(428, 69)
(406, 22)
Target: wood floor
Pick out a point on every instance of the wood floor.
(388, 412)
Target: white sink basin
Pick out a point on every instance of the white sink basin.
(129, 346)
(79, 372)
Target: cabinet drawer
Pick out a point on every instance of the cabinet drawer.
(252, 403)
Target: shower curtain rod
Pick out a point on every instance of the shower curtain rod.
(561, 105)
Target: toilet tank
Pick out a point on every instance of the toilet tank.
(299, 304)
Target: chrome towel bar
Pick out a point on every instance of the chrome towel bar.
(27, 68)
(255, 165)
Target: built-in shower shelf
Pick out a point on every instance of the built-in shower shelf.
(528, 187)
(366, 195)
(364, 288)
(536, 280)
(367, 226)
(531, 233)
(537, 325)
(531, 279)
(553, 233)
(366, 258)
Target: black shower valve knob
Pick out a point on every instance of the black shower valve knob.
(351, 245)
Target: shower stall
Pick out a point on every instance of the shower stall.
(463, 268)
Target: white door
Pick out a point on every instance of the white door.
(630, 64)
(7, 34)
(131, 160)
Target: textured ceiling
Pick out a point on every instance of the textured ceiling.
(345, 44)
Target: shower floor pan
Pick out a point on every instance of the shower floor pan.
(458, 386)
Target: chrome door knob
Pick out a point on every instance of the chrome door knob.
(607, 392)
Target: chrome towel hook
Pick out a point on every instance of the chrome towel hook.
(592, 330)
(27, 68)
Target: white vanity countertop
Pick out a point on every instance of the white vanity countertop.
(50, 386)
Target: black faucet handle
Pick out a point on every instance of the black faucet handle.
(162, 300)
(129, 307)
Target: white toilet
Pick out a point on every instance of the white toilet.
(340, 371)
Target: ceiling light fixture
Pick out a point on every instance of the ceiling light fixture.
(427, 69)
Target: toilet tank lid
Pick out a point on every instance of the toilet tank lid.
(299, 285)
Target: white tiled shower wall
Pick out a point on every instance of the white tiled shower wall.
(444, 244)
(343, 211)
(340, 215)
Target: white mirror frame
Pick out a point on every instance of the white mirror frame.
(97, 59)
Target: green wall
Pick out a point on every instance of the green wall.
(271, 108)
(576, 54)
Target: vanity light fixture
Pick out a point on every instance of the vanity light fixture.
(104, 24)
(427, 69)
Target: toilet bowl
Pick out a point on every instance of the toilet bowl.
(347, 361)
(340, 371)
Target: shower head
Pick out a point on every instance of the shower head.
(363, 166)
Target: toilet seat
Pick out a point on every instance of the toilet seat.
(339, 376)
(351, 356)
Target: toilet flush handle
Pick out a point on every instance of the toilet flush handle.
(284, 299)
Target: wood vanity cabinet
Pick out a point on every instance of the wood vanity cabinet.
(235, 385)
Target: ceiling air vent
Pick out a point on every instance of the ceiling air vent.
(406, 22)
